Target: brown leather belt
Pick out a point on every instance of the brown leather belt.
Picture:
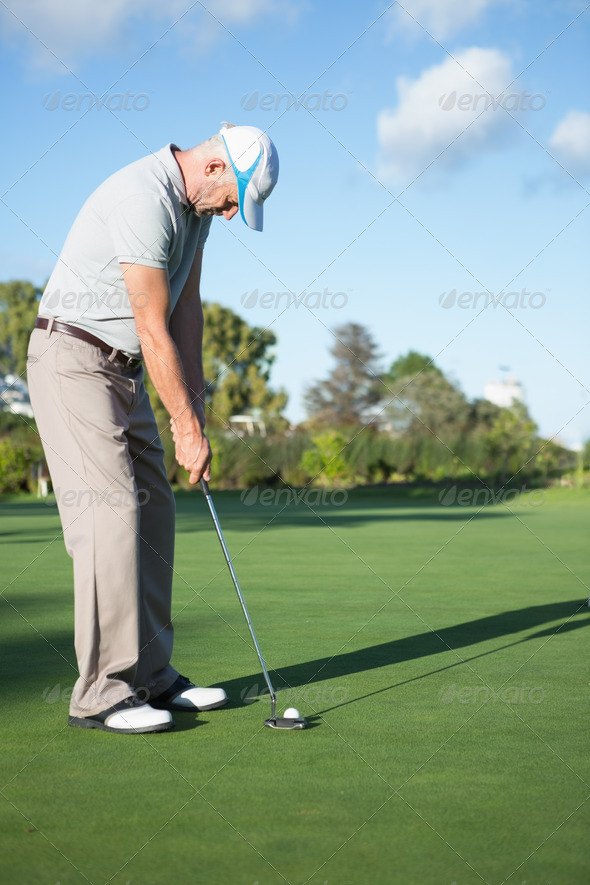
(130, 362)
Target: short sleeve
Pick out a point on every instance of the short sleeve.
(141, 230)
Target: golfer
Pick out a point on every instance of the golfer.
(125, 291)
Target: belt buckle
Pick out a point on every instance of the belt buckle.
(131, 362)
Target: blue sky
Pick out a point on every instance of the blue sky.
(435, 148)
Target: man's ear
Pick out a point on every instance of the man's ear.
(215, 168)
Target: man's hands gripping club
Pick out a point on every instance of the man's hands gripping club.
(188, 441)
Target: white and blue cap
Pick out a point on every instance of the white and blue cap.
(255, 162)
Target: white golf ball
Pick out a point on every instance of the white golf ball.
(292, 713)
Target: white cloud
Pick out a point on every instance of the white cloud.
(67, 31)
(441, 18)
(571, 142)
(243, 11)
(456, 109)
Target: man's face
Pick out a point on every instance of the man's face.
(217, 198)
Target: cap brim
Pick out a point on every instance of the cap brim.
(251, 211)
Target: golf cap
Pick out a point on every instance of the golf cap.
(255, 161)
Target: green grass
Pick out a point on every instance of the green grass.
(438, 653)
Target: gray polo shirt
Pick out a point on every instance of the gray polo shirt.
(140, 215)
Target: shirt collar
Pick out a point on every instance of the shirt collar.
(166, 156)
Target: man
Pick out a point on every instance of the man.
(126, 289)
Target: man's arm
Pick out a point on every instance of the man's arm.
(149, 294)
(186, 328)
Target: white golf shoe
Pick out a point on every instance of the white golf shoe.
(183, 696)
(130, 716)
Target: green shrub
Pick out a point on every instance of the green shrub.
(15, 467)
(326, 463)
(240, 462)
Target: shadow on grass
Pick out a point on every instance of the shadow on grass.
(566, 627)
(235, 518)
(33, 663)
(12, 507)
(419, 646)
(192, 513)
(186, 722)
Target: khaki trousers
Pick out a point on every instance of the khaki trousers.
(117, 510)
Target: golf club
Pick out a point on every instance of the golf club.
(287, 722)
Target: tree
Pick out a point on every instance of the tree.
(353, 387)
(237, 359)
(512, 440)
(422, 400)
(553, 459)
(19, 304)
(409, 366)
(481, 416)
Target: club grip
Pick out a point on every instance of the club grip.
(204, 486)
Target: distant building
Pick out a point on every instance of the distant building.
(504, 393)
(247, 424)
(14, 396)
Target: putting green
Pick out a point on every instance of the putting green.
(438, 652)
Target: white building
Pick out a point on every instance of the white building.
(504, 393)
(247, 424)
(14, 396)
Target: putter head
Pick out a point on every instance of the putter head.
(284, 722)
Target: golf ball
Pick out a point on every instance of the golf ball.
(292, 713)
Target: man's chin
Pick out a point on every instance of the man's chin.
(202, 213)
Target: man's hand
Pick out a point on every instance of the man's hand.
(190, 439)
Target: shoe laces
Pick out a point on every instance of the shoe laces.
(133, 701)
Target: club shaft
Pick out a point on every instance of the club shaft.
(205, 489)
